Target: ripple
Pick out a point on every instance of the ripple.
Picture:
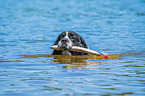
(29, 27)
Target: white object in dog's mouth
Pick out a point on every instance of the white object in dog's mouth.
(77, 49)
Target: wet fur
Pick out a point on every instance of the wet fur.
(75, 39)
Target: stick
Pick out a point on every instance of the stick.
(80, 49)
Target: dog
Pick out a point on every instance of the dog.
(66, 40)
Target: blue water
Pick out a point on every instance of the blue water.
(29, 27)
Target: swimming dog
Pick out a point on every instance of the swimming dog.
(66, 40)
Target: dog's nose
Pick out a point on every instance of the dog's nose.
(64, 40)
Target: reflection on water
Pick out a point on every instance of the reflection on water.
(29, 27)
(89, 74)
(82, 60)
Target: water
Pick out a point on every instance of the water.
(29, 27)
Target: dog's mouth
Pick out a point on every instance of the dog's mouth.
(65, 52)
(65, 47)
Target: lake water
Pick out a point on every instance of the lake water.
(29, 27)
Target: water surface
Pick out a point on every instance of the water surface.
(29, 27)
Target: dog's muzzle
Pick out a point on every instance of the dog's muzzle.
(65, 43)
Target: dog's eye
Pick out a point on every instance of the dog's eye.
(72, 36)
(73, 40)
(61, 36)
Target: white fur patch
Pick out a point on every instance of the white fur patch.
(70, 42)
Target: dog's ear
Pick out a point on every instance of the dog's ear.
(57, 40)
(82, 42)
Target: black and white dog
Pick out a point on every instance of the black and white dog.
(68, 39)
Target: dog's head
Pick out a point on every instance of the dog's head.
(68, 39)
